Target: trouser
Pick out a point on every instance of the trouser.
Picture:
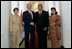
(42, 39)
(55, 43)
(16, 37)
(27, 38)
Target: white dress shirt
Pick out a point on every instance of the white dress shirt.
(40, 12)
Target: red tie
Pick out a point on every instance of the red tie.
(31, 15)
(40, 14)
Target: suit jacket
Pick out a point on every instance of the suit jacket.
(27, 19)
(42, 21)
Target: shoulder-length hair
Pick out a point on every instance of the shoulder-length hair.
(55, 10)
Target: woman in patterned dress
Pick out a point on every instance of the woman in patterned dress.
(54, 32)
(15, 28)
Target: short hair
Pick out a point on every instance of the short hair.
(40, 5)
(55, 10)
(15, 9)
(29, 4)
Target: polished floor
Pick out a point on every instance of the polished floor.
(48, 44)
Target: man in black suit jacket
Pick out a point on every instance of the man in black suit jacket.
(28, 19)
(42, 23)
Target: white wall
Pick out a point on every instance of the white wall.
(66, 22)
(5, 13)
(50, 5)
(14, 4)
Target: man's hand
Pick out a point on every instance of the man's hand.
(45, 28)
(32, 23)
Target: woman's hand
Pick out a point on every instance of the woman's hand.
(49, 35)
(23, 24)
(52, 24)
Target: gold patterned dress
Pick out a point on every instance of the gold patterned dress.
(55, 33)
(15, 29)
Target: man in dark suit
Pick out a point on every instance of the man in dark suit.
(29, 25)
(42, 23)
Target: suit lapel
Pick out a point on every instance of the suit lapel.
(42, 13)
(29, 15)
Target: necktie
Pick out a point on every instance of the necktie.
(31, 15)
(40, 14)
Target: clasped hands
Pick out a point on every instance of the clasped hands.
(52, 24)
(32, 23)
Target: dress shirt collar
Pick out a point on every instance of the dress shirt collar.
(40, 11)
(29, 11)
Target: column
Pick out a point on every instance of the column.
(46, 5)
(5, 13)
(57, 6)
(21, 6)
(66, 22)
(50, 5)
